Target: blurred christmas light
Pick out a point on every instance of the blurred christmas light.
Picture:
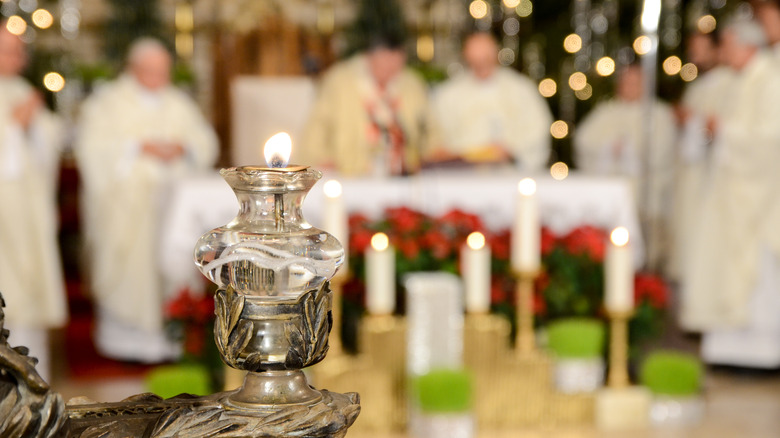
(525, 8)
(506, 56)
(689, 72)
(572, 43)
(584, 94)
(548, 87)
(425, 48)
(706, 24)
(53, 82)
(478, 9)
(16, 25)
(578, 81)
(672, 65)
(559, 129)
(511, 26)
(511, 3)
(605, 66)
(642, 45)
(42, 18)
(559, 171)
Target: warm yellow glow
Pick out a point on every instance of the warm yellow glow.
(578, 81)
(572, 43)
(185, 45)
(706, 24)
(476, 240)
(672, 65)
(525, 8)
(605, 66)
(619, 236)
(380, 241)
(642, 45)
(53, 82)
(478, 9)
(559, 129)
(559, 171)
(584, 94)
(332, 189)
(16, 25)
(526, 187)
(548, 87)
(42, 18)
(425, 48)
(278, 149)
(183, 18)
(689, 72)
(511, 3)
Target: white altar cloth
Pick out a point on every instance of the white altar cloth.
(198, 204)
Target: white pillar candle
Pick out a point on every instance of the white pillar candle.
(619, 273)
(526, 233)
(335, 220)
(380, 276)
(475, 259)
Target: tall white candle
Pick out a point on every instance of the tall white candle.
(619, 273)
(380, 276)
(475, 259)
(526, 233)
(336, 218)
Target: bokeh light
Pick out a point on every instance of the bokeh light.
(53, 82)
(642, 45)
(511, 3)
(559, 171)
(526, 187)
(506, 56)
(672, 65)
(559, 129)
(706, 24)
(572, 43)
(511, 26)
(42, 18)
(478, 9)
(525, 8)
(425, 48)
(584, 94)
(380, 241)
(619, 236)
(689, 72)
(605, 66)
(476, 240)
(548, 87)
(578, 81)
(16, 25)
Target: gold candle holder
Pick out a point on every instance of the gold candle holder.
(525, 343)
(337, 290)
(618, 349)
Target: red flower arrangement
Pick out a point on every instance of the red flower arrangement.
(188, 315)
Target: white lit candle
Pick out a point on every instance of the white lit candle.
(619, 273)
(380, 276)
(475, 259)
(336, 218)
(526, 233)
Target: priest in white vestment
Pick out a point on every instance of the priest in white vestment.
(491, 113)
(732, 277)
(370, 116)
(767, 13)
(612, 140)
(702, 102)
(138, 134)
(30, 271)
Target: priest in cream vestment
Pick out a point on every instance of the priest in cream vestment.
(491, 113)
(369, 118)
(738, 237)
(138, 135)
(30, 271)
(611, 141)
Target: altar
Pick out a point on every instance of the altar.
(197, 204)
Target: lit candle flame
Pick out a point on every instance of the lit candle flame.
(332, 189)
(476, 240)
(527, 187)
(380, 241)
(278, 150)
(619, 236)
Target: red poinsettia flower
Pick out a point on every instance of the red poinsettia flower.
(586, 240)
(409, 248)
(497, 292)
(404, 220)
(358, 221)
(438, 243)
(539, 305)
(652, 289)
(359, 240)
(548, 241)
(461, 221)
(500, 245)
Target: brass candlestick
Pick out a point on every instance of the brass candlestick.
(618, 349)
(525, 342)
(337, 294)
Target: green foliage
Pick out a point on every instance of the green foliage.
(444, 391)
(376, 20)
(672, 373)
(576, 338)
(171, 380)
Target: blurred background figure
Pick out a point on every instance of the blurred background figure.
(30, 271)
(613, 140)
(137, 135)
(369, 116)
(768, 15)
(730, 287)
(491, 113)
(703, 101)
